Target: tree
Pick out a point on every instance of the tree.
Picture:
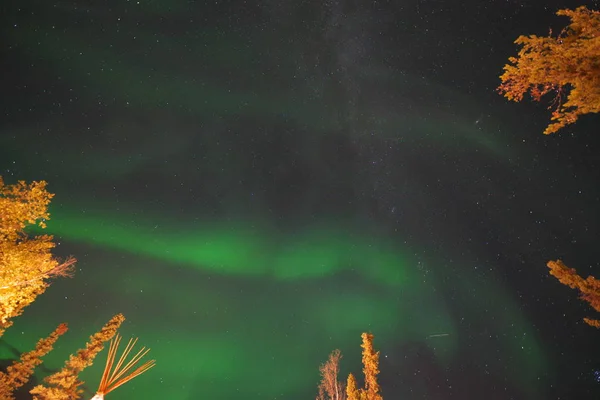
(589, 288)
(351, 389)
(65, 383)
(329, 387)
(26, 263)
(370, 360)
(567, 65)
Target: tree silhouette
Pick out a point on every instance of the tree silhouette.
(567, 65)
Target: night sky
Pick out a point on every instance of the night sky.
(254, 184)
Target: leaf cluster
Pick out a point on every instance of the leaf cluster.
(566, 67)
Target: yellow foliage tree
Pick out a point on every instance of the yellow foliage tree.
(370, 359)
(567, 65)
(351, 390)
(26, 264)
(589, 288)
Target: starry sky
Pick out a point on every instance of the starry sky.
(254, 184)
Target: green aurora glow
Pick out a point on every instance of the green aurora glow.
(257, 298)
(240, 307)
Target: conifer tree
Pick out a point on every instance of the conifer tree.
(351, 390)
(370, 359)
(20, 372)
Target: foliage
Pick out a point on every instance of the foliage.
(589, 288)
(351, 389)
(26, 264)
(565, 65)
(19, 373)
(330, 388)
(64, 384)
(370, 359)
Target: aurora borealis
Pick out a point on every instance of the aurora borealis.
(254, 184)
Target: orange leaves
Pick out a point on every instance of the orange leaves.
(20, 371)
(592, 322)
(25, 262)
(351, 389)
(589, 288)
(584, 22)
(568, 64)
(22, 204)
(370, 359)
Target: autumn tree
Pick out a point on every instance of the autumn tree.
(370, 360)
(352, 390)
(26, 262)
(329, 387)
(589, 288)
(566, 67)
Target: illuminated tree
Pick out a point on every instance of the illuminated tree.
(370, 359)
(589, 288)
(351, 390)
(26, 263)
(64, 384)
(567, 65)
(330, 388)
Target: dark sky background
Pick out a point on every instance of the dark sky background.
(254, 184)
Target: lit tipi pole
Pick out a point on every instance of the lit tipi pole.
(122, 373)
